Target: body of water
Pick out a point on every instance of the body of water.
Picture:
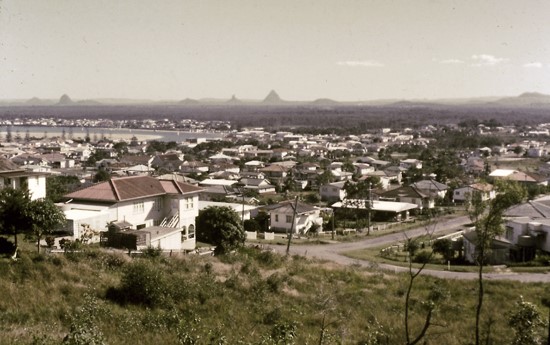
(109, 133)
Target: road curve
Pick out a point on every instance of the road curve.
(334, 252)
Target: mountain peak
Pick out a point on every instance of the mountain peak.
(532, 95)
(234, 100)
(65, 99)
(272, 97)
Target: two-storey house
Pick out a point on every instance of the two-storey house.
(137, 203)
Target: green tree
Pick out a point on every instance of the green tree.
(251, 225)
(263, 220)
(121, 148)
(444, 247)
(95, 157)
(325, 178)
(14, 210)
(45, 217)
(101, 176)
(57, 186)
(487, 217)
(222, 227)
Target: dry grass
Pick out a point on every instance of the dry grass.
(242, 297)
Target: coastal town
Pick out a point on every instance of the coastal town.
(374, 180)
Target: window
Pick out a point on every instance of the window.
(183, 234)
(190, 204)
(289, 219)
(158, 204)
(276, 217)
(138, 207)
(191, 231)
(509, 233)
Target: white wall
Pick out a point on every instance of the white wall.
(142, 211)
(170, 242)
(37, 187)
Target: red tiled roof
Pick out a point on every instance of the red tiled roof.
(133, 187)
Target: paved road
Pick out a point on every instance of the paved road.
(333, 252)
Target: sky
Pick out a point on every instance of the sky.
(344, 50)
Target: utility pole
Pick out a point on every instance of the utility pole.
(333, 215)
(240, 188)
(369, 206)
(292, 225)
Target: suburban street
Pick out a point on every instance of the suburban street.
(334, 252)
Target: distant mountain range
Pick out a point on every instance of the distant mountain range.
(527, 99)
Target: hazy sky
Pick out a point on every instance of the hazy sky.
(344, 50)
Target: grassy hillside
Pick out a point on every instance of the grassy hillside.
(251, 297)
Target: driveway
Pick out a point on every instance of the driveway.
(334, 252)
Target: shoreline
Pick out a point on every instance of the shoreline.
(109, 133)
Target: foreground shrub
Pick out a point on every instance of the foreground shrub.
(84, 329)
(142, 283)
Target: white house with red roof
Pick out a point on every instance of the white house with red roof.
(141, 203)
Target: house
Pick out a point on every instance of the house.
(130, 160)
(13, 176)
(409, 194)
(339, 175)
(194, 167)
(276, 173)
(397, 211)
(253, 166)
(411, 163)
(140, 202)
(169, 162)
(363, 168)
(385, 178)
(139, 169)
(498, 254)
(528, 227)
(333, 191)
(56, 160)
(261, 186)
(281, 216)
(431, 187)
(474, 165)
(528, 234)
(486, 190)
(221, 158)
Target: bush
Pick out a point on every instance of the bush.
(422, 257)
(143, 284)
(269, 259)
(50, 241)
(84, 329)
(152, 252)
(444, 246)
